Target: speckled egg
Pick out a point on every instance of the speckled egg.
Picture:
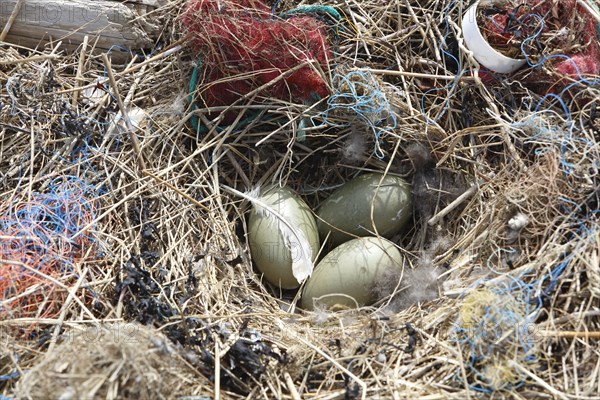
(345, 276)
(368, 203)
(283, 250)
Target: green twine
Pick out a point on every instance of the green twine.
(315, 9)
(194, 120)
(319, 11)
(198, 127)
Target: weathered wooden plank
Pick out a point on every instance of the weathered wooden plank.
(108, 23)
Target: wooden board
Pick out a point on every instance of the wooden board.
(132, 25)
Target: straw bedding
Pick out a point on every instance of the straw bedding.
(159, 258)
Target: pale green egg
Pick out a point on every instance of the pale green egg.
(368, 204)
(280, 247)
(345, 276)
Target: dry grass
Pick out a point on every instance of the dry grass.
(174, 257)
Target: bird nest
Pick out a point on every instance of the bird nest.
(148, 244)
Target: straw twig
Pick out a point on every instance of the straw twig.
(11, 19)
(124, 113)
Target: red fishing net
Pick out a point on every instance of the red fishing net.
(242, 47)
(571, 31)
(42, 236)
